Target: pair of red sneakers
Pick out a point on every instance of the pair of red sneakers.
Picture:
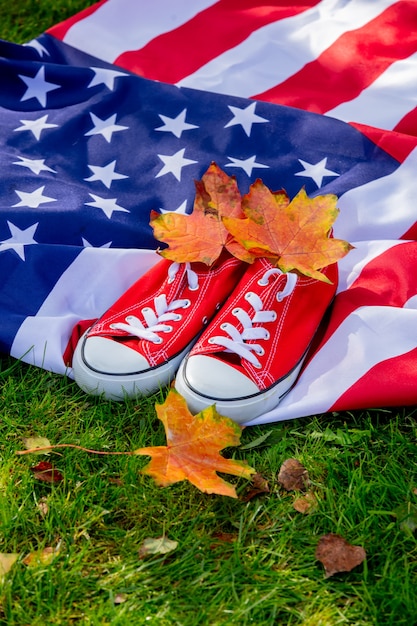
(234, 335)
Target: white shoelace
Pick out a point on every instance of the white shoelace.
(235, 342)
(156, 318)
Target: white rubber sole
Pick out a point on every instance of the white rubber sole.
(240, 410)
(121, 386)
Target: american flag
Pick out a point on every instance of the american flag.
(118, 110)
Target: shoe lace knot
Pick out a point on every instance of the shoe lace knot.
(156, 318)
(234, 341)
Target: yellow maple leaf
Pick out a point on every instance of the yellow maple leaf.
(292, 235)
(193, 448)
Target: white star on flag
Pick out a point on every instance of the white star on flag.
(87, 244)
(247, 165)
(104, 76)
(35, 165)
(37, 87)
(36, 45)
(105, 127)
(181, 209)
(173, 164)
(32, 199)
(107, 205)
(245, 117)
(104, 174)
(19, 238)
(175, 125)
(316, 171)
(36, 126)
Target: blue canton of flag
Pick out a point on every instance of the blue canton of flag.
(88, 150)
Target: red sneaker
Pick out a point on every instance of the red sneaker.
(138, 344)
(251, 353)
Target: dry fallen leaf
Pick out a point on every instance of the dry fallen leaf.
(202, 236)
(7, 560)
(292, 235)
(305, 504)
(293, 476)
(157, 545)
(43, 507)
(120, 598)
(337, 555)
(193, 448)
(42, 557)
(46, 472)
(31, 443)
(258, 485)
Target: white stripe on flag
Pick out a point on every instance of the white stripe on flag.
(351, 266)
(393, 88)
(382, 209)
(106, 274)
(133, 25)
(279, 50)
(367, 337)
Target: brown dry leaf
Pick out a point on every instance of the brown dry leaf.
(193, 448)
(293, 476)
(43, 507)
(119, 598)
(259, 485)
(47, 473)
(7, 560)
(337, 555)
(305, 504)
(292, 235)
(202, 236)
(156, 545)
(42, 557)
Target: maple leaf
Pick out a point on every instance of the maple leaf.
(294, 235)
(202, 235)
(193, 448)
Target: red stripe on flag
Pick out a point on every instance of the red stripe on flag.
(387, 280)
(352, 63)
(60, 30)
(180, 52)
(408, 124)
(397, 144)
(389, 383)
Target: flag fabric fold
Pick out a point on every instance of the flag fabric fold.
(118, 110)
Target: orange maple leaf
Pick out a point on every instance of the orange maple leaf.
(202, 235)
(292, 235)
(193, 448)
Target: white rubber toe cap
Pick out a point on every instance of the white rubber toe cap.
(111, 357)
(216, 379)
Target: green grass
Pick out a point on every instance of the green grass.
(236, 562)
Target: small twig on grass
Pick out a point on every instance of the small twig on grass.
(72, 445)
